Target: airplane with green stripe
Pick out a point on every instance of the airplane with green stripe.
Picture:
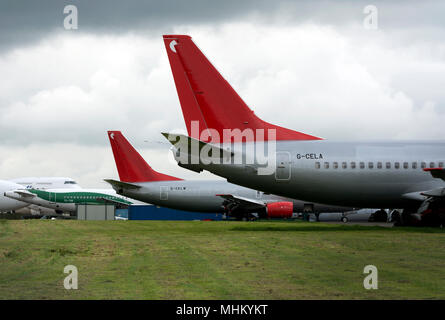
(65, 200)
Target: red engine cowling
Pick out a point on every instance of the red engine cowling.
(282, 209)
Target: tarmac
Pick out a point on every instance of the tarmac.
(363, 223)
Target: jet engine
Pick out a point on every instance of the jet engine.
(282, 209)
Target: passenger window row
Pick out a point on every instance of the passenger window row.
(378, 165)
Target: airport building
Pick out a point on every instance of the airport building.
(140, 212)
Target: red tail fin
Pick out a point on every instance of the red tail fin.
(130, 165)
(205, 96)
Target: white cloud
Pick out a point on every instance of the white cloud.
(60, 96)
(75, 88)
(86, 164)
(336, 85)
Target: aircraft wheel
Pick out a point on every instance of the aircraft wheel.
(344, 219)
(380, 216)
(396, 218)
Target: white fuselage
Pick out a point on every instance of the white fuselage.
(201, 196)
(323, 171)
(66, 199)
(8, 204)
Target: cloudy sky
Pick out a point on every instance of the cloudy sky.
(311, 66)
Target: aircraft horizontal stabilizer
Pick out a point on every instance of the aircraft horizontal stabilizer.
(190, 146)
(122, 185)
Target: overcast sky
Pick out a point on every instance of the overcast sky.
(308, 65)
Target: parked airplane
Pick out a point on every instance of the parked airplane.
(65, 200)
(8, 204)
(402, 174)
(139, 181)
(12, 205)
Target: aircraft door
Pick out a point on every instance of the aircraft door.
(163, 193)
(283, 166)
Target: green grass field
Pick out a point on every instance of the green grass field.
(218, 260)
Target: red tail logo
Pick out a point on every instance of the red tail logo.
(130, 165)
(205, 96)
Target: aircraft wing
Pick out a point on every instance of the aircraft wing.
(424, 195)
(428, 196)
(242, 202)
(122, 185)
(122, 203)
(25, 193)
(436, 173)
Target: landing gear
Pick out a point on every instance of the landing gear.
(344, 219)
(379, 216)
(245, 217)
(431, 217)
(405, 218)
(395, 217)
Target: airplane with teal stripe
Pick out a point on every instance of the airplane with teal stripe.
(65, 200)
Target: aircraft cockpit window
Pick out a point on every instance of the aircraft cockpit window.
(69, 182)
